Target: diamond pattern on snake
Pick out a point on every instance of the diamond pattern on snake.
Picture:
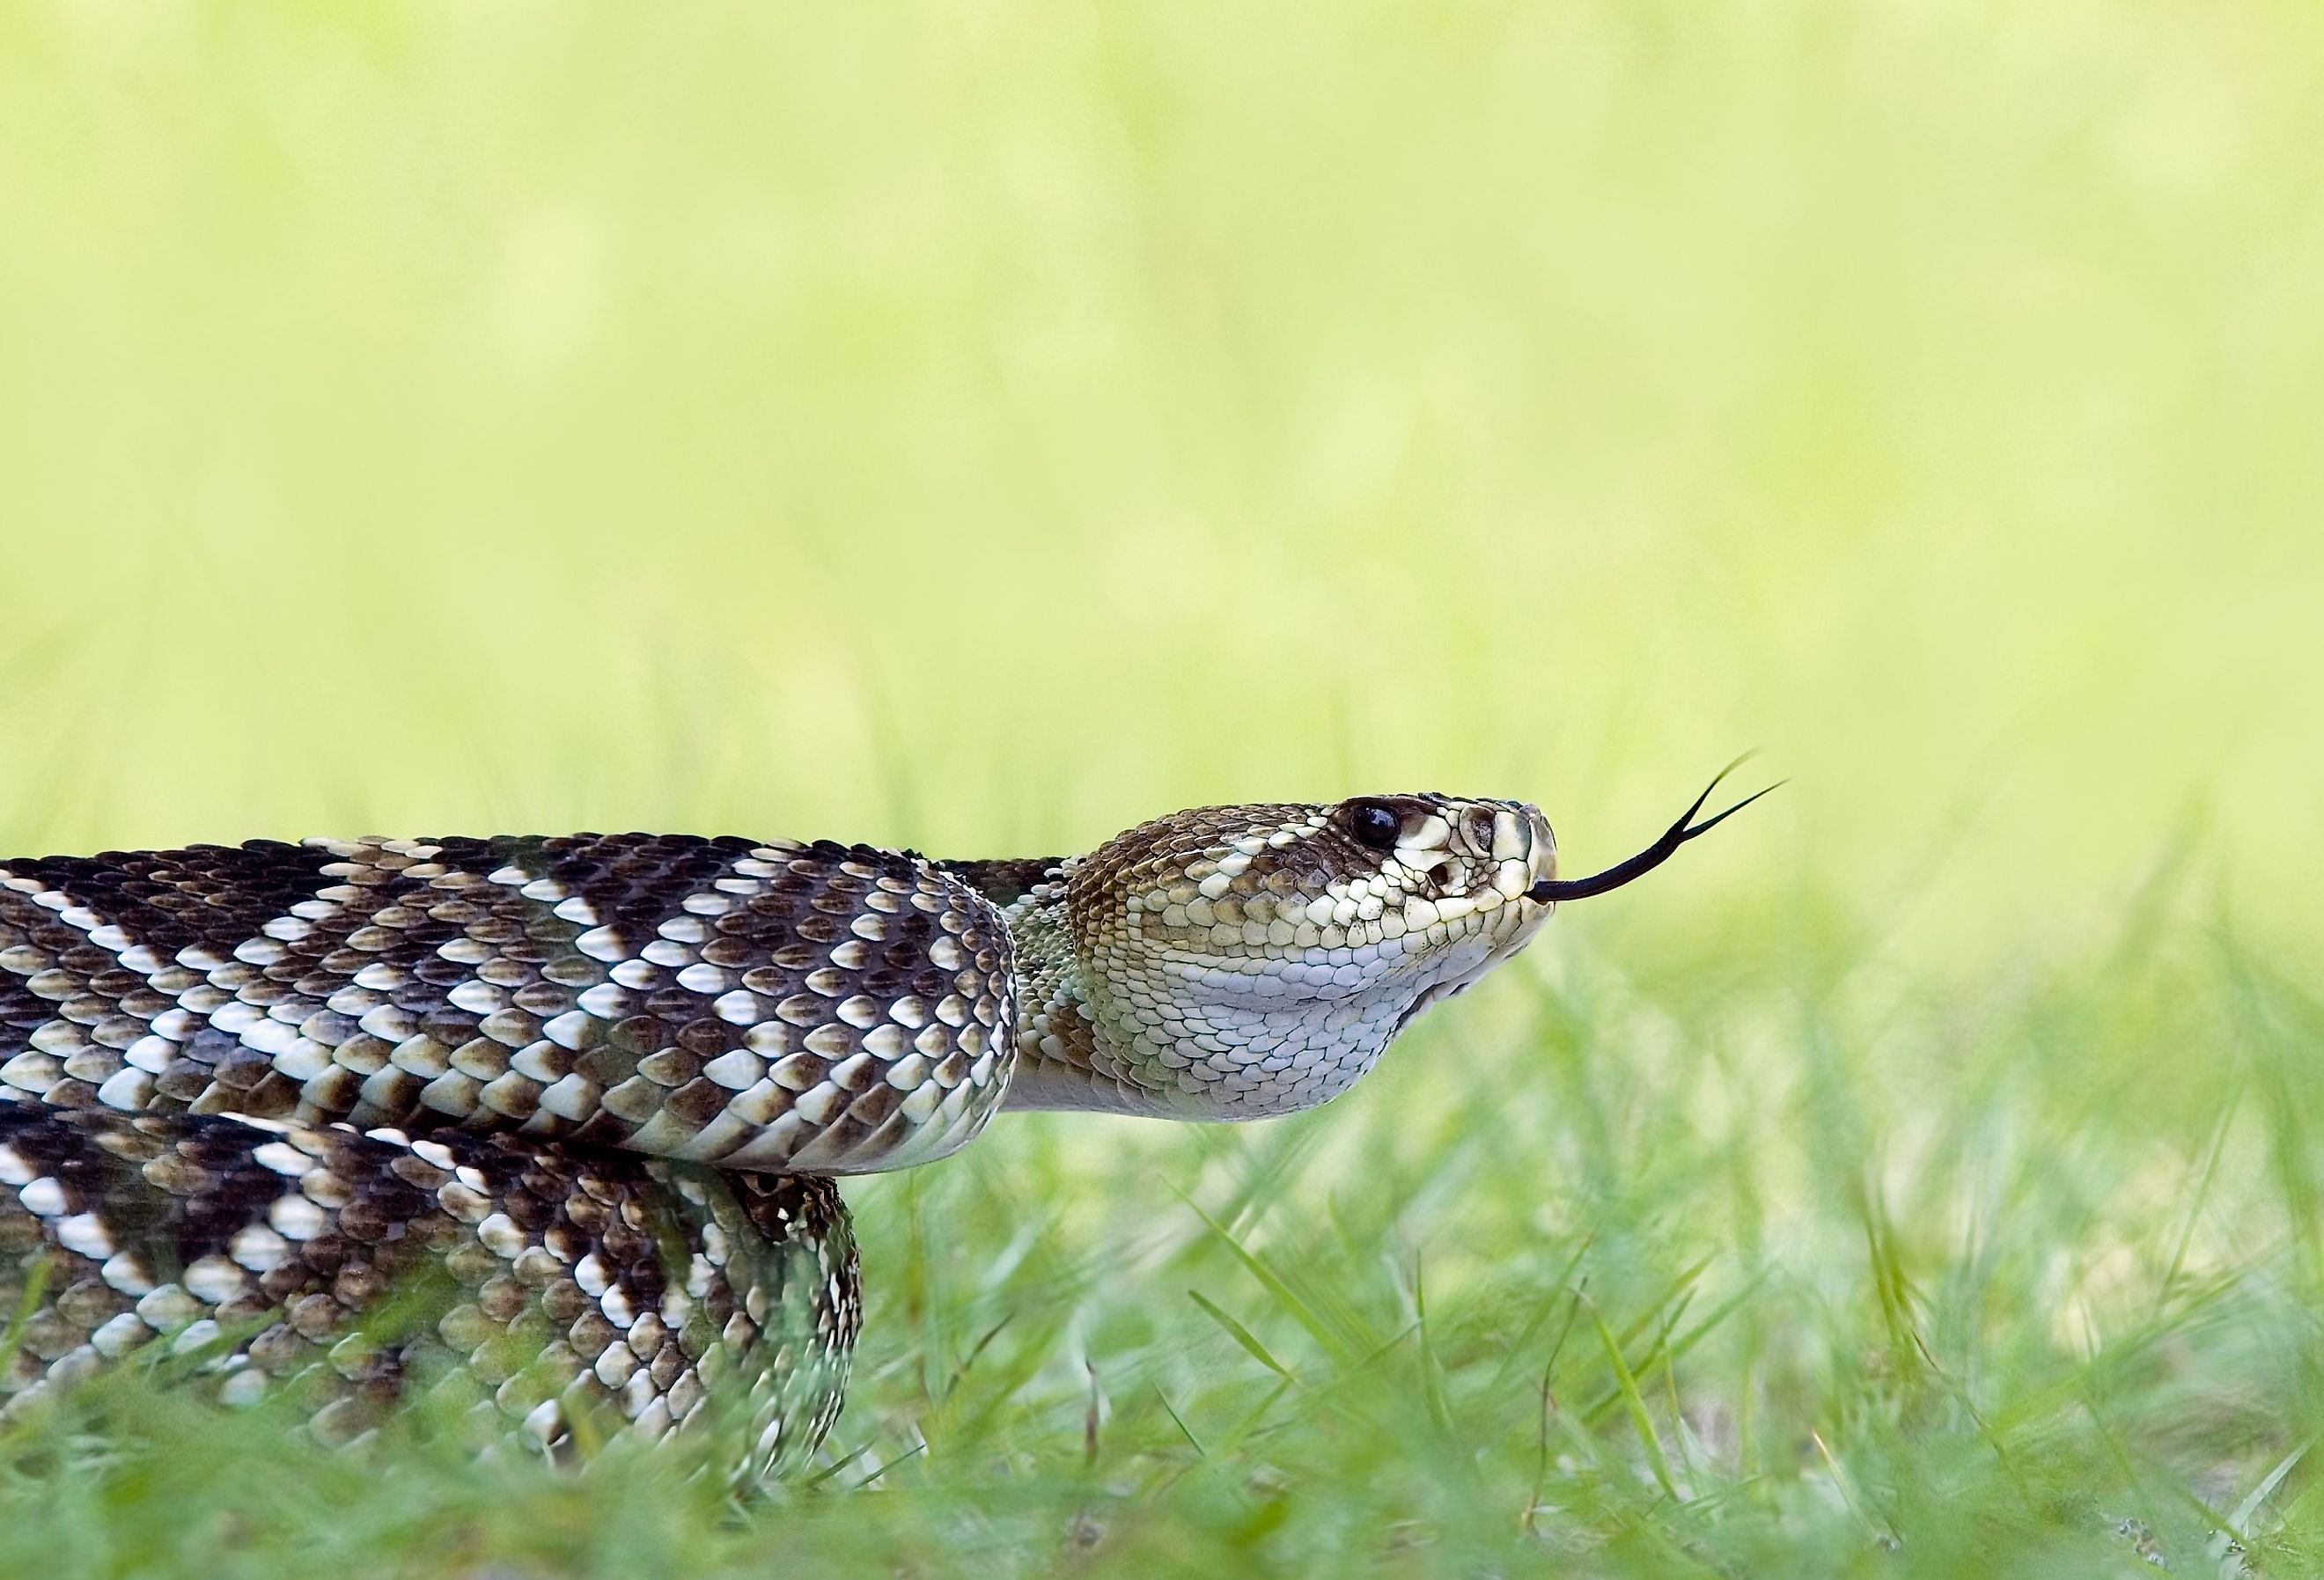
(592, 1091)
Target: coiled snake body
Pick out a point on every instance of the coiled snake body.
(603, 1083)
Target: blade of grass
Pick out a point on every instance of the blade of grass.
(1640, 1421)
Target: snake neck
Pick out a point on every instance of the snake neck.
(1062, 1058)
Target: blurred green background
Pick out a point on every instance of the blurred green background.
(984, 425)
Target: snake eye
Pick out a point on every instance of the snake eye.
(1374, 824)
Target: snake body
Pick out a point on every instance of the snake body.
(595, 1087)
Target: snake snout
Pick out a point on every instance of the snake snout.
(1525, 850)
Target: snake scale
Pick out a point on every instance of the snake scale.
(587, 1094)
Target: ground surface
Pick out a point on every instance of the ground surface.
(981, 425)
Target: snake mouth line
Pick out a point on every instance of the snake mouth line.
(1637, 866)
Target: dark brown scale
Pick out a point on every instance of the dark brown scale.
(276, 1097)
(72, 1094)
(497, 928)
(672, 1067)
(637, 1035)
(115, 1030)
(542, 999)
(573, 971)
(340, 1087)
(439, 971)
(208, 1047)
(603, 1129)
(697, 1103)
(727, 953)
(241, 1068)
(399, 1092)
(527, 1205)
(846, 1130)
(96, 964)
(610, 1063)
(626, 1245)
(451, 1026)
(46, 934)
(512, 1028)
(328, 1026)
(20, 1013)
(878, 1102)
(706, 1040)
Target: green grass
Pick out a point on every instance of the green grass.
(1745, 1268)
(980, 425)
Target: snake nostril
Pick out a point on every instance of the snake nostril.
(1443, 874)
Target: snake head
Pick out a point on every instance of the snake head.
(1243, 962)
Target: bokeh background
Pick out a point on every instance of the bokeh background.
(981, 426)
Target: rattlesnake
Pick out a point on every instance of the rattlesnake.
(604, 1082)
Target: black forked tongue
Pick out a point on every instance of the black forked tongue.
(1655, 855)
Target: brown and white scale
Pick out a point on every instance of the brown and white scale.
(603, 1082)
